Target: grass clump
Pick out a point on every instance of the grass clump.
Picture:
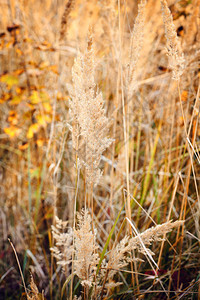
(99, 149)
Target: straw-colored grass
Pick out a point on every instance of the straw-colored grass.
(99, 149)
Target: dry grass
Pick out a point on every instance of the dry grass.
(99, 149)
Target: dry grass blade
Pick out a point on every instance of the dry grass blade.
(19, 266)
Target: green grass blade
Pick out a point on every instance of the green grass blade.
(147, 178)
(64, 285)
(108, 240)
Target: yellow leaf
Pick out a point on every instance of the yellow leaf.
(12, 131)
(18, 51)
(16, 100)
(7, 96)
(35, 98)
(44, 96)
(10, 80)
(44, 65)
(47, 118)
(47, 107)
(9, 44)
(59, 96)
(33, 129)
(40, 142)
(41, 120)
(46, 43)
(54, 69)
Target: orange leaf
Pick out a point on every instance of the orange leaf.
(18, 72)
(23, 146)
(184, 96)
(40, 142)
(12, 117)
(59, 96)
(54, 69)
(18, 51)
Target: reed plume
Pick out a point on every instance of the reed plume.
(136, 44)
(65, 18)
(62, 250)
(121, 255)
(174, 51)
(34, 294)
(151, 235)
(86, 257)
(88, 114)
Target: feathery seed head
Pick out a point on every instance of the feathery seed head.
(86, 258)
(136, 44)
(63, 236)
(89, 121)
(174, 51)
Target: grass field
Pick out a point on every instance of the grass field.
(99, 149)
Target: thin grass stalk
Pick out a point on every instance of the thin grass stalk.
(75, 201)
(155, 188)
(29, 184)
(168, 219)
(126, 137)
(124, 119)
(181, 217)
(138, 138)
(20, 270)
(164, 196)
(58, 84)
(184, 203)
(147, 177)
(171, 132)
(190, 164)
(113, 154)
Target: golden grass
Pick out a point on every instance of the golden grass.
(99, 149)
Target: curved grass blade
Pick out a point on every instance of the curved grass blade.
(64, 285)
